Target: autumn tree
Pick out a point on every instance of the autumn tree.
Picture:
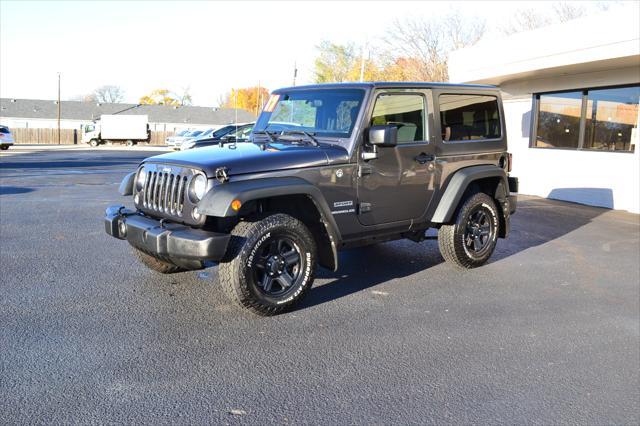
(160, 97)
(335, 62)
(251, 99)
(109, 94)
(413, 50)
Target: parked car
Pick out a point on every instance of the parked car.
(366, 163)
(6, 138)
(230, 133)
(176, 141)
(170, 139)
(205, 134)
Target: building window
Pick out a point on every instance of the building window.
(559, 120)
(592, 119)
(469, 117)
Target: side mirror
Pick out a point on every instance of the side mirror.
(386, 136)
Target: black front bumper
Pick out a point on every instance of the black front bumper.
(173, 242)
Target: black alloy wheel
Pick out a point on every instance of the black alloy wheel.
(269, 265)
(479, 231)
(469, 241)
(277, 267)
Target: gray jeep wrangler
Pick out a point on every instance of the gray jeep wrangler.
(328, 167)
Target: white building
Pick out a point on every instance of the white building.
(571, 94)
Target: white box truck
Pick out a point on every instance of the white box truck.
(128, 129)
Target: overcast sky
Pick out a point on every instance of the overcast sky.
(209, 46)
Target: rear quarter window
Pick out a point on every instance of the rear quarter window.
(469, 117)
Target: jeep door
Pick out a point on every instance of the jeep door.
(398, 184)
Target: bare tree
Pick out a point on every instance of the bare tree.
(562, 11)
(421, 47)
(185, 97)
(109, 94)
(565, 11)
(526, 20)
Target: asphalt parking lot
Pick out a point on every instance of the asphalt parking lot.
(548, 332)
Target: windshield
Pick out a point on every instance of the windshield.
(194, 133)
(206, 133)
(182, 133)
(324, 112)
(222, 131)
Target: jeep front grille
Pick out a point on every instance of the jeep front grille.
(164, 192)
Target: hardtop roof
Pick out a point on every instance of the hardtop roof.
(389, 84)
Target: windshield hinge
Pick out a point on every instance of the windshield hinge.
(364, 207)
(364, 170)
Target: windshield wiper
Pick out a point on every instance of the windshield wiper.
(264, 132)
(308, 135)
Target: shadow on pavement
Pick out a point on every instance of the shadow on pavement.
(65, 164)
(9, 190)
(536, 222)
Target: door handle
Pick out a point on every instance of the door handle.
(422, 158)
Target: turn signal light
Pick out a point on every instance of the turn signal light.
(510, 165)
(236, 204)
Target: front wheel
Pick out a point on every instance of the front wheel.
(471, 240)
(4, 147)
(270, 264)
(93, 142)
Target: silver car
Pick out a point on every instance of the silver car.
(6, 138)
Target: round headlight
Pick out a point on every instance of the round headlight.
(198, 187)
(140, 180)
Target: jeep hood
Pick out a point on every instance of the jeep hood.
(248, 157)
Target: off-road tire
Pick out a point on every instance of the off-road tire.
(156, 264)
(249, 239)
(451, 238)
(94, 143)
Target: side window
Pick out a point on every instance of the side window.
(469, 117)
(404, 111)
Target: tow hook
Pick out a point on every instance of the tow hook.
(115, 223)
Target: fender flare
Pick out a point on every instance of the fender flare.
(459, 184)
(126, 186)
(217, 202)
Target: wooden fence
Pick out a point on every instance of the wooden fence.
(68, 136)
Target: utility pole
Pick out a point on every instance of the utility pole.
(258, 99)
(295, 72)
(362, 68)
(58, 108)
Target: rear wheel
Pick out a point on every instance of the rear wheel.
(130, 143)
(4, 147)
(270, 264)
(156, 264)
(471, 240)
